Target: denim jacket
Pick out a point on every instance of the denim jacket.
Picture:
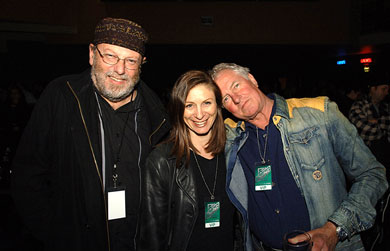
(324, 152)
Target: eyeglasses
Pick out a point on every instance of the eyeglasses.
(130, 63)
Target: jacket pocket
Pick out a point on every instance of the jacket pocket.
(307, 148)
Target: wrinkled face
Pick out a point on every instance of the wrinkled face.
(240, 96)
(113, 82)
(200, 110)
(378, 93)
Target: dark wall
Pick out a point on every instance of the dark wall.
(304, 66)
(240, 22)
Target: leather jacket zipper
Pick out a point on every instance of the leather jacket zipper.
(158, 127)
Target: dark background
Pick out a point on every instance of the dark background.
(298, 41)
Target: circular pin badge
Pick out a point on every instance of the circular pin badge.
(317, 175)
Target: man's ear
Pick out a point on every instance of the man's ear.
(91, 53)
(252, 79)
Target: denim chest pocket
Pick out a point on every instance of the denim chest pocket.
(307, 148)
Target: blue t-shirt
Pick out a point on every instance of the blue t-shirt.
(272, 213)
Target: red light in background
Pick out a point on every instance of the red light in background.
(366, 49)
(366, 60)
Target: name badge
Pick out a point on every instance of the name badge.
(212, 214)
(116, 204)
(263, 177)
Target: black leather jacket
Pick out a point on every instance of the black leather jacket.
(169, 208)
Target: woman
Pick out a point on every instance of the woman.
(185, 206)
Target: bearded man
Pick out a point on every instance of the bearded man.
(76, 174)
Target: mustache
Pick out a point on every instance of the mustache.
(115, 75)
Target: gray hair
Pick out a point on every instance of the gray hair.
(243, 71)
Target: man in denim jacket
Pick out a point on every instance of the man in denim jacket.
(296, 164)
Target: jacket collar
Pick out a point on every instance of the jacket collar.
(185, 177)
(281, 107)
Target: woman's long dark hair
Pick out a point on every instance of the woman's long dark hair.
(180, 135)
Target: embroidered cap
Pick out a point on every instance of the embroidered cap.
(121, 32)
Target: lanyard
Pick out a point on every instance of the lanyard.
(204, 180)
(114, 171)
(263, 157)
(117, 160)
